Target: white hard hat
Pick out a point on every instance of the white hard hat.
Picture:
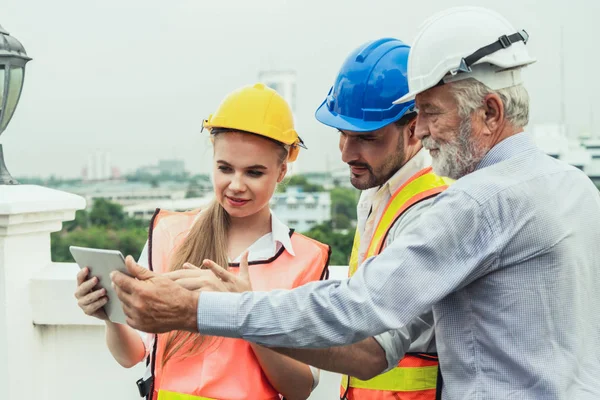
(466, 42)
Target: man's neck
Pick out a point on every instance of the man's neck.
(507, 131)
(409, 164)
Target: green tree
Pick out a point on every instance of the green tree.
(81, 221)
(341, 222)
(343, 207)
(341, 243)
(105, 226)
(128, 241)
(302, 182)
(194, 189)
(106, 213)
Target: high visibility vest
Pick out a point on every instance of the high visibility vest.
(415, 377)
(224, 368)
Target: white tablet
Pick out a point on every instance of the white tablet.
(101, 263)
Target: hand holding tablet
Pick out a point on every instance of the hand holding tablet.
(100, 264)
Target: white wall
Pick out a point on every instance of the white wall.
(48, 348)
(77, 365)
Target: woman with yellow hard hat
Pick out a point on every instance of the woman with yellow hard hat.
(254, 138)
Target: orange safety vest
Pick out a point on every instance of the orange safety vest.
(415, 377)
(224, 368)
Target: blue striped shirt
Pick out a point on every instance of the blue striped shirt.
(509, 259)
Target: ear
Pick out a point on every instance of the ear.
(282, 172)
(409, 133)
(493, 112)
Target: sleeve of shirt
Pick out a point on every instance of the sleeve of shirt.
(396, 343)
(316, 374)
(452, 245)
(143, 260)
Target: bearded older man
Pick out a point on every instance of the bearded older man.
(508, 256)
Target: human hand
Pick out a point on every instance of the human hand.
(89, 300)
(213, 278)
(154, 303)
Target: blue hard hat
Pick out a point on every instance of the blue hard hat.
(371, 78)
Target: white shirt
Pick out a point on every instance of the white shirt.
(419, 335)
(262, 249)
(378, 197)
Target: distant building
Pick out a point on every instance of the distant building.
(582, 152)
(341, 177)
(283, 82)
(146, 210)
(98, 167)
(171, 167)
(592, 145)
(554, 140)
(164, 168)
(301, 211)
(324, 179)
(127, 193)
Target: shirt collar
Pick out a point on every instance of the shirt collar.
(508, 148)
(281, 233)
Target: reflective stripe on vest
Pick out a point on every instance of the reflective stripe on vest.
(414, 376)
(165, 395)
(420, 186)
(423, 185)
(413, 373)
(224, 368)
(353, 263)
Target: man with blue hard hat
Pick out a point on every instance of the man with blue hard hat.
(388, 163)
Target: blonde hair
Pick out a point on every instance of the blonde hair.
(207, 239)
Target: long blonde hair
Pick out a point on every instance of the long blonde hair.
(207, 239)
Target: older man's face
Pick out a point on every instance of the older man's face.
(449, 139)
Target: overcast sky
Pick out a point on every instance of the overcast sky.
(136, 77)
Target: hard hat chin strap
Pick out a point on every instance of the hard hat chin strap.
(492, 76)
(503, 42)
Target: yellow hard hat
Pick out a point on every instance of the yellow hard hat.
(261, 110)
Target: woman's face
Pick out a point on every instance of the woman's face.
(246, 171)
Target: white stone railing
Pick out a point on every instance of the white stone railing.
(48, 348)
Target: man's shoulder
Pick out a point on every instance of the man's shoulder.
(409, 217)
(497, 180)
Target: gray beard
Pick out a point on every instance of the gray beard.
(458, 157)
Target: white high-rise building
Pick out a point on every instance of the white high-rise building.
(98, 167)
(284, 83)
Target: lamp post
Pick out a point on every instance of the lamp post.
(12, 73)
